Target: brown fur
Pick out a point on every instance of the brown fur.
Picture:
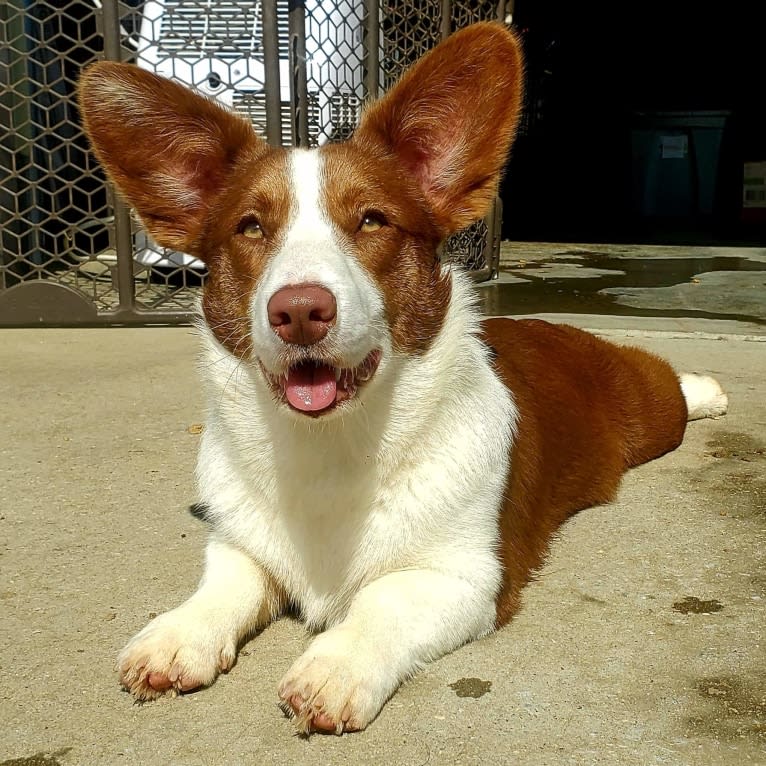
(424, 162)
(235, 263)
(450, 127)
(588, 411)
(193, 171)
(401, 256)
(168, 151)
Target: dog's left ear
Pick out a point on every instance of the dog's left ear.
(451, 119)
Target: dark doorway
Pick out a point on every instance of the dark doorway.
(639, 120)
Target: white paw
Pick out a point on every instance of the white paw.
(178, 651)
(336, 685)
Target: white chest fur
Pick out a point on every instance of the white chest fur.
(413, 478)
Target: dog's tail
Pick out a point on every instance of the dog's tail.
(704, 396)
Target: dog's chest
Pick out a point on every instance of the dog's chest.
(320, 514)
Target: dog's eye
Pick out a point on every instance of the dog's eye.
(251, 229)
(372, 221)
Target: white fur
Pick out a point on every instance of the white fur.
(380, 525)
(311, 253)
(194, 642)
(704, 396)
(404, 481)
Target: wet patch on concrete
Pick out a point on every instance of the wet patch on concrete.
(746, 491)
(38, 759)
(736, 476)
(582, 282)
(693, 605)
(468, 687)
(730, 445)
(724, 294)
(560, 269)
(737, 708)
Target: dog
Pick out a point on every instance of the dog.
(377, 458)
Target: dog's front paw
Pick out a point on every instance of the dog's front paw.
(178, 651)
(336, 686)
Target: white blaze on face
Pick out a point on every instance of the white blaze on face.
(313, 251)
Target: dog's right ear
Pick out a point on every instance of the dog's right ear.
(167, 150)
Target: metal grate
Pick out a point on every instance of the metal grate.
(467, 248)
(54, 208)
(409, 30)
(225, 30)
(463, 14)
(252, 104)
(345, 111)
(69, 251)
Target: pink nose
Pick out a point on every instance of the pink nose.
(302, 314)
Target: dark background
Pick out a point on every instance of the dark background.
(599, 71)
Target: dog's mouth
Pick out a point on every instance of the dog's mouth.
(314, 387)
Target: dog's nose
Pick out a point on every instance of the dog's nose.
(302, 314)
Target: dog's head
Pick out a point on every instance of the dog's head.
(321, 262)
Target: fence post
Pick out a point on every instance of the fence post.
(271, 73)
(446, 27)
(372, 49)
(123, 239)
(296, 22)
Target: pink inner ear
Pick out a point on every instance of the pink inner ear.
(168, 150)
(180, 188)
(420, 164)
(433, 165)
(450, 120)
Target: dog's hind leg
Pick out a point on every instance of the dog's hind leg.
(188, 647)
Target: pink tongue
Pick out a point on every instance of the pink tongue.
(310, 388)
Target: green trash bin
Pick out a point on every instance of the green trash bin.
(676, 157)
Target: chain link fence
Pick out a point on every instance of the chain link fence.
(70, 252)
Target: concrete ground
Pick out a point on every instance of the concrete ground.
(642, 642)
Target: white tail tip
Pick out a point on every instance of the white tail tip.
(704, 396)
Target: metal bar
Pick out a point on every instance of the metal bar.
(446, 27)
(496, 234)
(505, 10)
(271, 72)
(123, 239)
(128, 318)
(372, 49)
(299, 95)
(481, 275)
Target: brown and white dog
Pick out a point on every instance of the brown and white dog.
(376, 458)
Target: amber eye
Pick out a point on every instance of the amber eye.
(251, 229)
(372, 222)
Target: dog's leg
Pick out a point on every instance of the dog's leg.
(187, 647)
(395, 625)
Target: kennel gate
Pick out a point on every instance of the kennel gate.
(70, 254)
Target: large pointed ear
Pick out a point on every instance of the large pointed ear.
(451, 119)
(166, 149)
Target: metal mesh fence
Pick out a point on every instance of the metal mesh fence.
(300, 71)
